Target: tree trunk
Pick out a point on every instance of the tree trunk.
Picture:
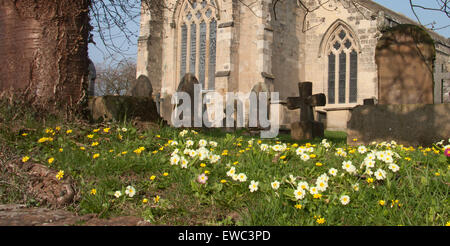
(44, 51)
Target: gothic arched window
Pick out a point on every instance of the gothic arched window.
(197, 42)
(342, 67)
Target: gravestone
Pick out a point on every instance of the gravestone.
(404, 56)
(92, 75)
(141, 87)
(258, 89)
(307, 127)
(187, 85)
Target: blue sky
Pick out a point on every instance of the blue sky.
(98, 52)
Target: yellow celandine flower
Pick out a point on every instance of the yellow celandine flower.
(437, 174)
(294, 145)
(298, 206)
(317, 196)
(24, 134)
(69, 131)
(93, 192)
(158, 136)
(58, 128)
(407, 158)
(320, 220)
(223, 181)
(124, 152)
(319, 164)
(154, 152)
(25, 159)
(43, 139)
(355, 139)
(165, 174)
(206, 172)
(156, 199)
(106, 130)
(96, 130)
(60, 174)
(61, 149)
(370, 180)
(283, 157)
(82, 148)
(111, 150)
(94, 144)
(235, 163)
(448, 223)
(95, 156)
(152, 177)
(161, 149)
(145, 200)
(90, 136)
(382, 202)
(202, 165)
(119, 137)
(51, 160)
(241, 151)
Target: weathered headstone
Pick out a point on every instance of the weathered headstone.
(307, 127)
(258, 89)
(404, 58)
(91, 78)
(407, 124)
(187, 85)
(141, 87)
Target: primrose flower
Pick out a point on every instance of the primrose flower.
(174, 159)
(299, 193)
(117, 194)
(253, 186)
(321, 185)
(242, 177)
(345, 200)
(275, 185)
(394, 168)
(380, 174)
(192, 153)
(313, 190)
(231, 172)
(184, 162)
(189, 143)
(202, 178)
(305, 157)
(202, 143)
(264, 147)
(303, 185)
(130, 191)
(184, 132)
(362, 149)
(333, 171)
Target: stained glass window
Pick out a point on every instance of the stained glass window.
(353, 76)
(183, 50)
(197, 41)
(331, 77)
(202, 65)
(212, 54)
(342, 67)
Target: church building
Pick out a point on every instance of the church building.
(234, 45)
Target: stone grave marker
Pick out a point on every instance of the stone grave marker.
(307, 127)
(141, 87)
(187, 84)
(257, 89)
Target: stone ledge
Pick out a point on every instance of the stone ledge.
(223, 73)
(226, 24)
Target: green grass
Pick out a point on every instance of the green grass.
(422, 194)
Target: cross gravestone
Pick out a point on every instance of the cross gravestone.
(307, 127)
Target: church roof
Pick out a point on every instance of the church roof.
(401, 19)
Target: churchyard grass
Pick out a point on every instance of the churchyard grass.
(185, 177)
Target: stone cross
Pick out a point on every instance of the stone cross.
(307, 128)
